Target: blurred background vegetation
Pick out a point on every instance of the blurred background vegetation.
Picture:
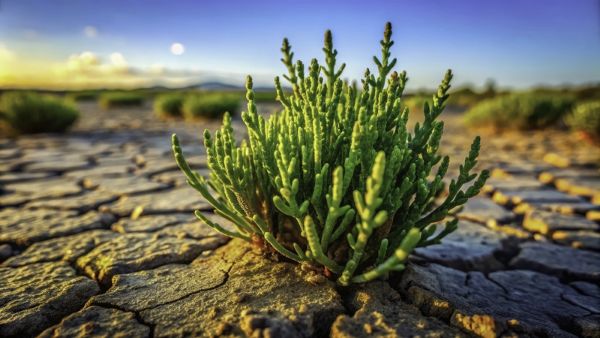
(518, 65)
(575, 107)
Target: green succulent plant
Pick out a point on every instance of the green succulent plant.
(335, 179)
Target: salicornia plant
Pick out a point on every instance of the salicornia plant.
(335, 179)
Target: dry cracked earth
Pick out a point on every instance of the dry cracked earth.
(97, 238)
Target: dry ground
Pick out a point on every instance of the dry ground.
(525, 260)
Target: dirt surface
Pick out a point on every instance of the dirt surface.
(97, 238)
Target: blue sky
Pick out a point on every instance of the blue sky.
(517, 43)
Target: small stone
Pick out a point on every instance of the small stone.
(593, 215)
(98, 322)
(546, 222)
(557, 160)
(560, 261)
(135, 252)
(36, 296)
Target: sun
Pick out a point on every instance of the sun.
(177, 48)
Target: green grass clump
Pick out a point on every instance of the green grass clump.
(264, 96)
(336, 180)
(25, 113)
(87, 95)
(519, 111)
(169, 105)
(121, 99)
(210, 105)
(585, 117)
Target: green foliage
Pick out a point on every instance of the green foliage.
(210, 105)
(121, 99)
(26, 113)
(416, 102)
(265, 96)
(466, 97)
(335, 180)
(585, 93)
(169, 105)
(520, 111)
(85, 95)
(586, 118)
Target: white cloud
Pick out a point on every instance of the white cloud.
(83, 62)
(91, 64)
(90, 70)
(90, 31)
(117, 59)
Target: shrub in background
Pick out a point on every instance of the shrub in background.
(585, 117)
(520, 111)
(416, 102)
(264, 96)
(336, 180)
(169, 105)
(466, 97)
(121, 99)
(210, 105)
(26, 112)
(87, 95)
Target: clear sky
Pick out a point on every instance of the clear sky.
(79, 43)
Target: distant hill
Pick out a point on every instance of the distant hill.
(214, 85)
